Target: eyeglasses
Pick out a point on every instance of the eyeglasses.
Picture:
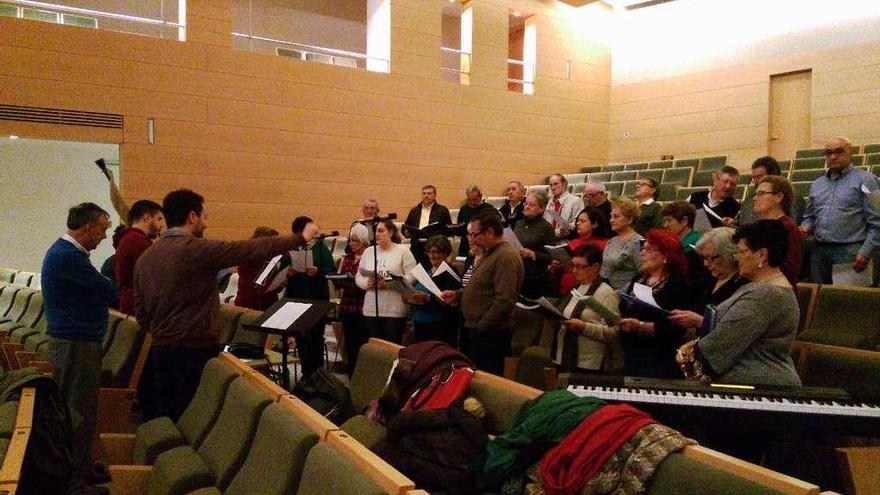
(835, 151)
(475, 234)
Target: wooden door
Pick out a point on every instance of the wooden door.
(790, 116)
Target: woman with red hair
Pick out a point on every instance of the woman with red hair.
(648, 338)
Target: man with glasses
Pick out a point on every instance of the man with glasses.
(719, 198)
(488, 300)
(369, 209)
(842, 214)
(595, 195)
(762, 167)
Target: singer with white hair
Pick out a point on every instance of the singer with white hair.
(351, 304)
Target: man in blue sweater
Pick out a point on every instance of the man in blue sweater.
(76, 298)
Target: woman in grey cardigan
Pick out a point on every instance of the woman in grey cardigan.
(754, 329)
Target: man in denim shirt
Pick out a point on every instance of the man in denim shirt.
(842, 214)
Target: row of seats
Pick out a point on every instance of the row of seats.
(242, 434)
(820, 152)
(16, 420)
(18, 277)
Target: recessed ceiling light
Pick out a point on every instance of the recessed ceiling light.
(13, 136)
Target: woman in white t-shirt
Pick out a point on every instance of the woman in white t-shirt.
(385, 311)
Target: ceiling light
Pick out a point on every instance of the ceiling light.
(13, 136)
(517, 13)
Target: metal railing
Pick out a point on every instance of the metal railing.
(527, 73)
(65, 9)
(333, 56)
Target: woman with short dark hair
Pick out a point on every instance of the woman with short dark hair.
(431, 319)
(755, 328)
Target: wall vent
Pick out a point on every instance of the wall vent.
(60, 116)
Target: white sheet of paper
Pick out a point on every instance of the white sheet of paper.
(286, 315)
(301, 260)
(843, 274)
(560, 254)
(561, 223)
(711, 212)
(261, 280)
(645, 294)
(543, 302)
(512, 239)
(424, 278)
(280, 280)
(445, 268)
(701, 222)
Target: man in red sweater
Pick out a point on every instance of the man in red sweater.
(146, 222)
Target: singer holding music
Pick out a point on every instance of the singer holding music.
(385, 311)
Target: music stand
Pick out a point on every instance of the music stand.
(287, 317)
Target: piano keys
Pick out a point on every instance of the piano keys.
(790, 408)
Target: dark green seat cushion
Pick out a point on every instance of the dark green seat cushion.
(365, 431)
(328, 472)
(680, 475)
(502, 406)
(8, 413)
(370, 374)
(178, 472)
(154, 437)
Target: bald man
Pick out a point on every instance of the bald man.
(842, 214)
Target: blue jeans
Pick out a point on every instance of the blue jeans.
(825, 255)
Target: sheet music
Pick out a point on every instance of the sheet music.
(606, 314)
(541, 302)
(261, 279)
(560, 254)
(844, 274)
(561, 223)
(286, 315)
(711, 212)
(701, 222)
(645, 294)
(424, 278)
(512, 239)
(279, 281)
(301, 260)
(445, 268)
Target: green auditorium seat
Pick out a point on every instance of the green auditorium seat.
(624, 175)
(225, 322)
(614, 188)
(613, 167)
(807, 164)
(871, 148)
(660, 164)
(531, 364)
(684, 192)
(328, 471)
(703, 178)
(575, 178)
(578, 189)
(712, 162)
(875, 170)
(33, 342)
(855, 370)
(275, 462)
(872, 159)
(22, 278)
(667, 191)
(243, 336)
(679, 474)
(801, 189)
(119, 359)
(657, 175)
(740, 192)
(161, 434)
(599, 177)
(806, 296)
(367, 383)
(687, 162)
(539, 188)
(501, 398)
(635, 166)
(858, 160)
(496, 201)
(806, 175)
(854, 327)
(810, 153)
(19, 305)
(7, 274)
(591, 169)
(680, 176)
(526, 330)
(113, 320)
(629, 188)
(744, 179)
(27, 319)
(784, 167)
(183, 469)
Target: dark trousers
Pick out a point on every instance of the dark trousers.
(355, 336)
(76, 367)
(310, 348)
(390, 329)
(486, 349)
(443, 330)
(176, 375)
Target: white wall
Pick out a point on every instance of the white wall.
(688, 36)
(40, 181)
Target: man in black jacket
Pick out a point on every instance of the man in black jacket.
(422, 215)
(719, 198)
(470, 209)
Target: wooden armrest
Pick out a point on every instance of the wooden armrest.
(551, 378)
(41, 366)
(24, 358)
(130, 480)
(510, 366)
(118, 447)
(9, 350)
(114, 409)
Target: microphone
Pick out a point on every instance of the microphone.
(103, 166)
(377, 219)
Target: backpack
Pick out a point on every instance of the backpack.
(325, 394)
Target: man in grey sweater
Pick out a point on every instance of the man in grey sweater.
(488, 299)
